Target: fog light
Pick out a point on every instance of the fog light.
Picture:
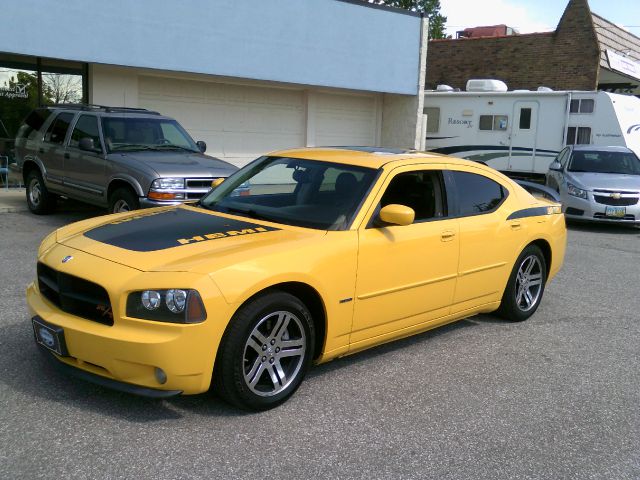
(176, 300)
(161, 377)
(150, 299)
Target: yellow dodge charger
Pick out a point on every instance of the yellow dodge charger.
(302, 256)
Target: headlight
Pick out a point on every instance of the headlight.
(575, 191)
(173, 305)
(167, 184)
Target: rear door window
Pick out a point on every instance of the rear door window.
(476, 193)
(58, 129)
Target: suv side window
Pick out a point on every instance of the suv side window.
(86, 127)
(476, 193)
(58, 129)
(423, 191)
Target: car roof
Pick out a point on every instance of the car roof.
(371, 157)
(599, 148)
(107, 111)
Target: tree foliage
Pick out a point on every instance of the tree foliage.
(430, 8)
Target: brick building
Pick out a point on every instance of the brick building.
(585, 52)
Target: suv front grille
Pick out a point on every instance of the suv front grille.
(74, 295)
(617, 202)
(199, 182)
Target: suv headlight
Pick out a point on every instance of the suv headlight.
(167, 184)
(174, 305)
(575, 191)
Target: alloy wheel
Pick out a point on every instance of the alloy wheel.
(528, 283)
(274, 353)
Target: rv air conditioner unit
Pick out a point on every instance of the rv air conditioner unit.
(477, 85)
(444, 88)
(545, 89)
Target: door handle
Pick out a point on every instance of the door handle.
(447, 235)
(516, 225)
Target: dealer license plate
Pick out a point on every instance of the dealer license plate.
(49, 336)
(617, 212)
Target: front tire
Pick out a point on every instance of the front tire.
(123, 200)
(525, 287)
(39, 200)
(265, 352)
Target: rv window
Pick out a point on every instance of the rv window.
(581, 137)
(500, 122)
(486, 122)
(586, 105)
(433, 119)
(575, 106)
(584, 135)
(525, 118)
(493, 122)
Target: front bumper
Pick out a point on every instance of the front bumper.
(129, 351)
(589, 210)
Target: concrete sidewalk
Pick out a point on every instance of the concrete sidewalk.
(13, 200)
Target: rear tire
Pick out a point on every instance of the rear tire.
(265, 352)
(525, 287)
(39, 200)
(123, 200)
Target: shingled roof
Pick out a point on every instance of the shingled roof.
(610, 36)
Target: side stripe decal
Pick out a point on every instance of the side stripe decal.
(529, 212)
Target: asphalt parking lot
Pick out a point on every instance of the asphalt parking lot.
(555, 397)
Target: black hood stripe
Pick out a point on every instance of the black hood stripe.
(148, 232)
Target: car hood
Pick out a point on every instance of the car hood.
(608, 181)
(179, 163)
(181, 239)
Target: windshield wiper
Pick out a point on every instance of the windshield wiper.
(173, 147)
(131, 146)
(248, 213)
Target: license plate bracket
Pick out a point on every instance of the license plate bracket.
(49, 336)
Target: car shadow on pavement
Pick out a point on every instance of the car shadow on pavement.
(27, 371)
(603, 228)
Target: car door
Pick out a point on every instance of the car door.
(486, 237)
(52, 150)
(85, 170)
(406, 274)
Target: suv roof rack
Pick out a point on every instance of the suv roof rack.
(102, 108)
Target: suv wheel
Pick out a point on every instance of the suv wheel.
(39, 200)
(123, 200)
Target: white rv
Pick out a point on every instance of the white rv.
(521, 131)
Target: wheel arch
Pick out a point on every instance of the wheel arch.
(543, 245)
(117, 183)
(29, 166)
(312, 300)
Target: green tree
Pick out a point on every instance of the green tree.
(430, 8)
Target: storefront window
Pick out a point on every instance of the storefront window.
(29, 82)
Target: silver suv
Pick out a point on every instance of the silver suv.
(119, 158)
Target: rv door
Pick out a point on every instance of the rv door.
(523, 140)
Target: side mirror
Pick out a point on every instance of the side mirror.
(202, 146)
(217, 182)
(555, 166)
(87, 144)
(394, 214)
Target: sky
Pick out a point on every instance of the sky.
(532, 15)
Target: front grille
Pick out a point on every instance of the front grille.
(74, 295)
(199, 182)
(604, 217)
(617, 202)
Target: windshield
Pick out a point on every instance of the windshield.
(134, 133)
(625, 163)
(304, 193)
